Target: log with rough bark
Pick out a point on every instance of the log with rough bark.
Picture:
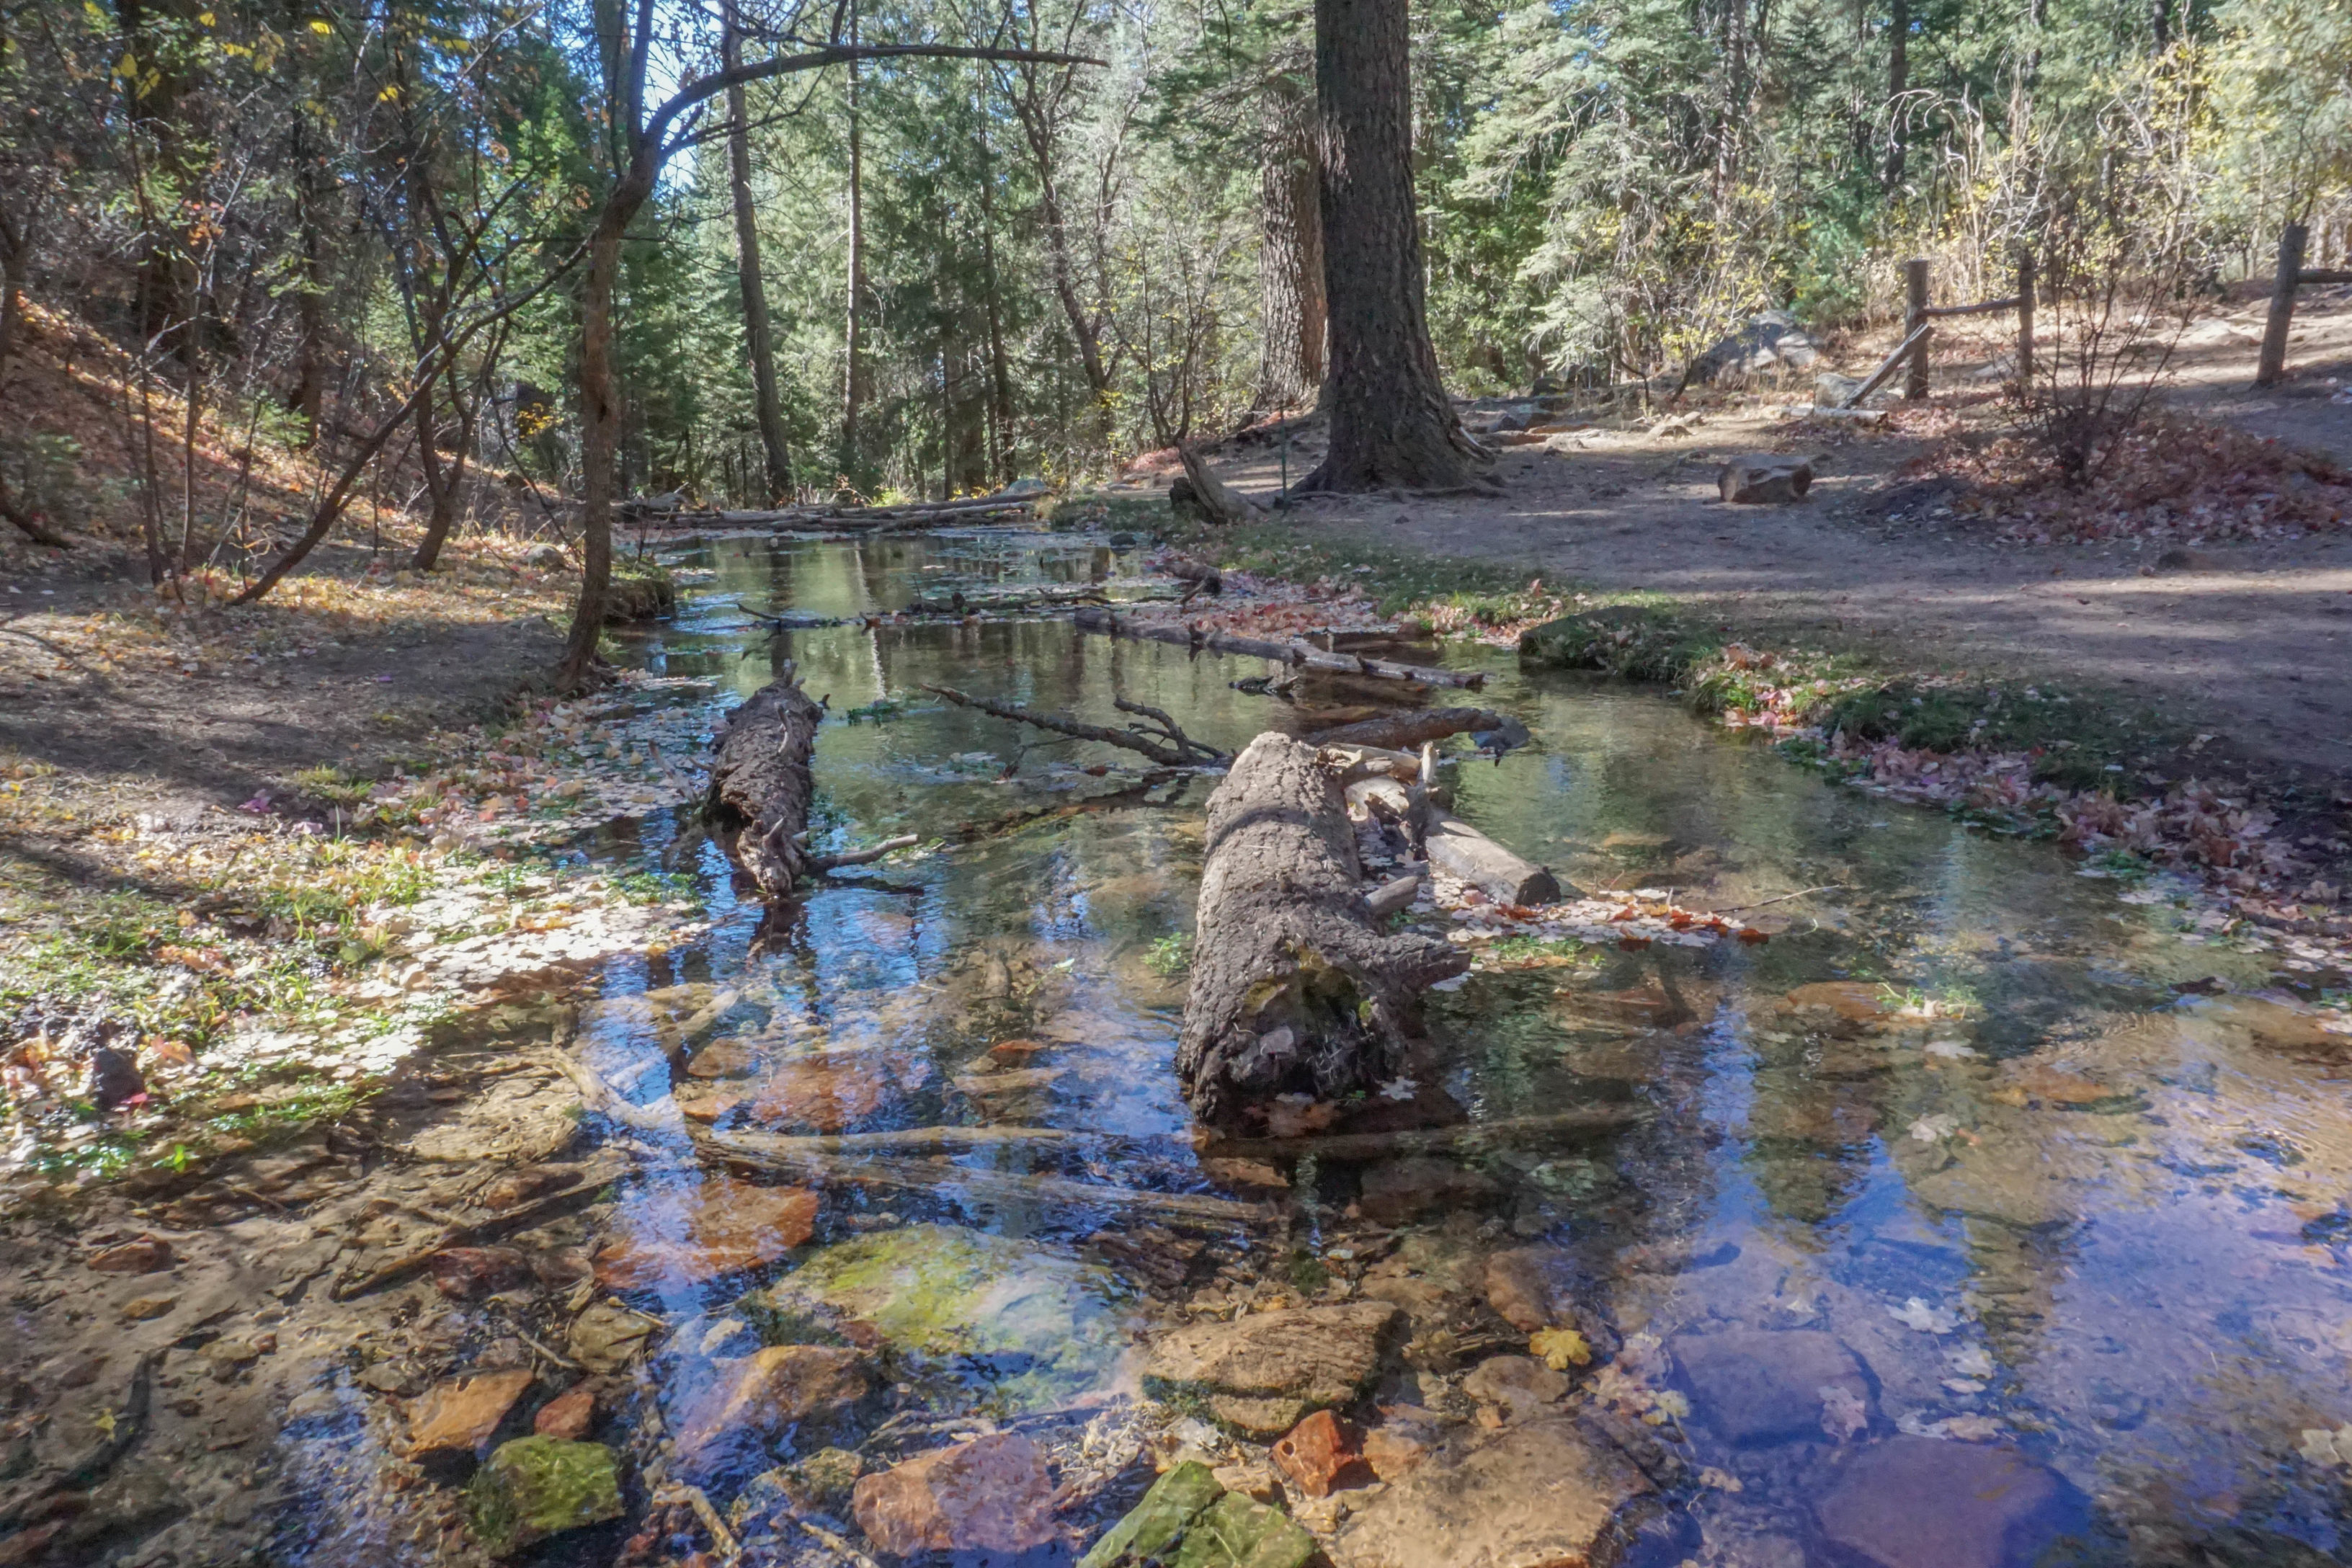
(1402, 731)
(1219, 500)
(1292, 988)
(1296, 651)
(760, 788)
(1451, 845)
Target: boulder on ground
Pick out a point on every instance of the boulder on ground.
(533, 1488)
(1762, 478)
(1264, 1373)
(991, 1494)
(1533, 1494)
(1770, 343)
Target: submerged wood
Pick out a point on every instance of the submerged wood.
(1595, 1121)
(1401, 731)
(1292, 651)
(1294, 989)
(1167, 744)
(1462, 852)
(768, 1152)
(760, 786)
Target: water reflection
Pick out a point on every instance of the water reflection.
(1954, 1121)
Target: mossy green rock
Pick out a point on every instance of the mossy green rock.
(533, 1488)
(1157, 1522)
(1032, 1326)
(1234, 1532)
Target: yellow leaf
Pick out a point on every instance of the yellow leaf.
(317, 26)
(1560, 1348)
(206, 19)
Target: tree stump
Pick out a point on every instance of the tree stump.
(759, 788)
(1293, 991)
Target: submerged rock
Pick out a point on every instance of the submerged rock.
(991, 1494)
(462, 1413)
(1039, 1327)
(822, 1483)
(762, 1396)
(1531, 1287)
(1264, 1373)
(1397, 1190)
(605, 1338)
(725, 1225)
(1533, 1494)
(1916, 1502)
(1769, 1386)
(569, 1416)
(537, 1486)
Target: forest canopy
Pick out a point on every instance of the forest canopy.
(964, 270)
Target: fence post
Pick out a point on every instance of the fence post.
(1914, 313)
(2272, 365)
(2025, 322)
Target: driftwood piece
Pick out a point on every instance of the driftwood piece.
(1166, 745)
(1294, 989)
(1221, 502)
(1402, 731)
(1198, 577)
(760, 786)
(1391, 896)
(1294, 651)
(1460, 850)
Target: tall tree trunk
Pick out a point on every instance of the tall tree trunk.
(308, 396)
(1291, 310)
(16, 242)
(2159, 21)
(1085, 331)
(1000, 369)
(1898, 82)
(853, 392)
(759, 339)
(1391, 425)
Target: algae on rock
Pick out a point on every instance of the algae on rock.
(1034, 1326)
(533, 1488)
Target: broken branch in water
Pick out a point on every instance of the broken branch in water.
(866, 856)
(1402, 731)
(1171, 749)
(1430, 1140)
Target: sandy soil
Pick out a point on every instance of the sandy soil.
(2250, 647)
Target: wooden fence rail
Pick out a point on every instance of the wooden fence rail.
(1917, 334)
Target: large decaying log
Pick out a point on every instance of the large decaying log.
(1294, 989)
(1295, 651)
(760, 786)
(1403, 732)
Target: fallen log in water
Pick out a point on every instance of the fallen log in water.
(759, 788)
(1403, 732)
(1294, 989)
(1455, 847)
(968, 1184)
(1293, 651)
(1468, 1135)
(834, 519)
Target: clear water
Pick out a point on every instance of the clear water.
(2114, 1211)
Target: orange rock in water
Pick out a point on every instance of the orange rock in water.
(568, 1416)
(725, 1225)
(991, 1494)
(463, 1273)
(762, 1394)
(463, 1414)
(826, 1094)
(1855, 1001)
(1318, 1455)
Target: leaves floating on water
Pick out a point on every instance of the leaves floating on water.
(1559, 1349)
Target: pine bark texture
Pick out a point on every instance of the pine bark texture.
(1392, 426)
(760, 786)
(1291, 309)
(1292, 989)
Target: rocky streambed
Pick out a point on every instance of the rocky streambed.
(1956, 1212)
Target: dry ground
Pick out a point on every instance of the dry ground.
(2250, 644)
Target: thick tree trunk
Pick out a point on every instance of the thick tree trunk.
(600, 420)
(759, 788)
(1392, 426)
(759, 336)
(1292, 989)
(1291, 313)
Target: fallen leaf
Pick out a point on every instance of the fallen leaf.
(1559, 1349)
(1918, 1315)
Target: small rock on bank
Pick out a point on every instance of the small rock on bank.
(533, 1488)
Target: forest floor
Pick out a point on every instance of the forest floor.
(2203, 629)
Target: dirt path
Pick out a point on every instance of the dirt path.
(2248, 644)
